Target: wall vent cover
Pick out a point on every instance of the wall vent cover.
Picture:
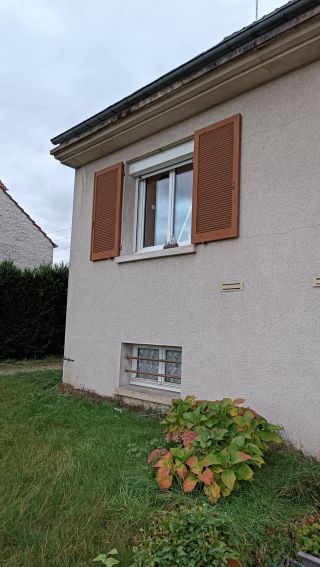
(232, 286)
(316, 282)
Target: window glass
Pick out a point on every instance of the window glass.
(156, 210)
(145, 366)
(173, 369)
(183, 203)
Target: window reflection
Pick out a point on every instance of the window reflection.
(156, 210)
(183, 203)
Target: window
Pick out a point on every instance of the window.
(164, 208)
(155, 366)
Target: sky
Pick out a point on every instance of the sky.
(61, 61)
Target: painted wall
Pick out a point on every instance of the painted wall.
(20, 240)
(261, 344)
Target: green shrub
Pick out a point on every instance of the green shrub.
(190, 537)
(32, 311)
(308, 539)
(211, 444)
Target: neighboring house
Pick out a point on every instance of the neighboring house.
(234, 309)
(21, 239)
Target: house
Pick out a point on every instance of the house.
(21, 239)
(195, 257)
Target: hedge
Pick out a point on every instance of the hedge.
(32, 310)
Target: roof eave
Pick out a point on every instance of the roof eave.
(235, 41)
(253, 62)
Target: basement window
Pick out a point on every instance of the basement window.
(155, 366)
(164, 208)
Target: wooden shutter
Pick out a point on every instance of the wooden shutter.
(106, 215)
(216, 176)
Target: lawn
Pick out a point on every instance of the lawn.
(74, 483)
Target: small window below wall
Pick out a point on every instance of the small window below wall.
(155, 366)
(164, 208)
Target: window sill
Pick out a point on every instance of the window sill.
(147, 395)
(138, 256)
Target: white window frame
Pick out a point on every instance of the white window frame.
(140, 203)
(160, 384)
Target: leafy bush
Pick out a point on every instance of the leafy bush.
(32, 310)
(308, 539)
(190, 537)
(213, 444)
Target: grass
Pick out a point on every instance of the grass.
(74, 483)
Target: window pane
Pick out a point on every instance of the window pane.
(148, 365)
(156, 210)
(183, 203)
(173, 369)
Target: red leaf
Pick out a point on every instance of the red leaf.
(192, 461)
(206, 477)
(238, 401)
(155, 456)
(165, 461)
(189, 484)
(244, 456)
(164, 481)
(182, 471)
(162, 473)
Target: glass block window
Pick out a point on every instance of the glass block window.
(155, 366)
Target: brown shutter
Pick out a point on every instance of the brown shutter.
(215, 208)
(106, 215)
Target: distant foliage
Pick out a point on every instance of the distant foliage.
(215, 445)
(32, 310)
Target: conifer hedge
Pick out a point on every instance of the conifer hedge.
(32, 310)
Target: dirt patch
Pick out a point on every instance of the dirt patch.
(83, 394)
(97, 399)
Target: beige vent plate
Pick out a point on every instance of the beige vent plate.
(316, 282)
(231, 286)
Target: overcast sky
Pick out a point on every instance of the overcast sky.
(61, 61)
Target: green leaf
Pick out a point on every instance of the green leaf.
(211, 459)
(108, 561)
(270, 437)
(219, 433)
(228, 478)
(244, 472)
(113, 551)
(238, 441)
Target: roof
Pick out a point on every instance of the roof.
(291, 10)
(5, 190)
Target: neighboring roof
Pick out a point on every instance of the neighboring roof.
(291, 10)
(6, 191)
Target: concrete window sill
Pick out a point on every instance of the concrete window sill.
(138, 395)
(138, 256)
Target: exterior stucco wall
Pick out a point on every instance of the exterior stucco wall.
(20, 240)
(261, 344)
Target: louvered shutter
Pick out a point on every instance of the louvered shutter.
(215, 207)
(106, 215)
